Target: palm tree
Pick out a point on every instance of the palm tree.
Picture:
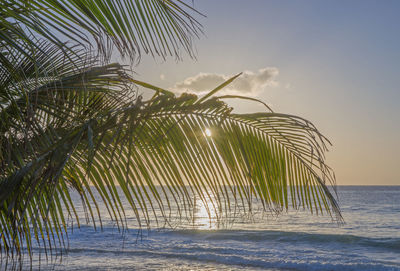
(72, 122)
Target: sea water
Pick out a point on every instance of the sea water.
(369, 240)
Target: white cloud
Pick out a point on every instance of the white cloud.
(162, 76)
(249, 83)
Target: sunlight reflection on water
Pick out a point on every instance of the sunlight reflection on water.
(205, 216)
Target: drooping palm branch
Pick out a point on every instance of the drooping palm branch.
(139, 145)
(72, 123)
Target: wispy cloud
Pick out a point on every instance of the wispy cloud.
(249, 83)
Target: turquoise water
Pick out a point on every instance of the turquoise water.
(370, 240)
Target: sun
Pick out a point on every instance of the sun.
(207, 131)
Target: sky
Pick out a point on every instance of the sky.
(336, 63)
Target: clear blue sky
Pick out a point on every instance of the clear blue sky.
(338, 64)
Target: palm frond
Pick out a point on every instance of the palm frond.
(138, 147)
(72, 124)
(156, 27)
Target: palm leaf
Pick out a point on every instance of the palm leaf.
(274, 158)
(72, 124)
(155, 27)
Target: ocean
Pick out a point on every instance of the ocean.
(369, 240)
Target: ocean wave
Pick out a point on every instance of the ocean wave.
(236, 260)
(290, 236)
(248, 236)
